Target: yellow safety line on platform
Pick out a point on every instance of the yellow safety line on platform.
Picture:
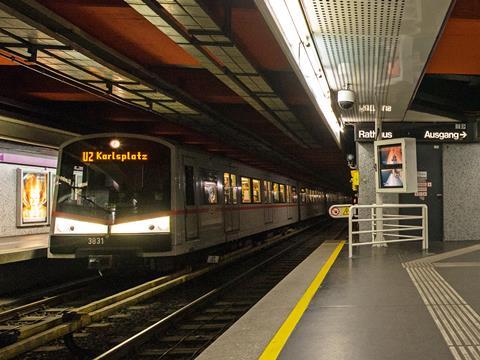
(277, 343)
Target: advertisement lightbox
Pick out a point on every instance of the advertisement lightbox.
(396, 165)
(33, 198)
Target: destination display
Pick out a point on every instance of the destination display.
(440, 133)
(92, 156)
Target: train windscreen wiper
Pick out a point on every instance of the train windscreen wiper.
(68, 182)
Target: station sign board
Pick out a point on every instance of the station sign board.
(430, 132)
(339, 211)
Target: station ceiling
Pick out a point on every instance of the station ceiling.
(214, 77)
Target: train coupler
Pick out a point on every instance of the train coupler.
(100, 262)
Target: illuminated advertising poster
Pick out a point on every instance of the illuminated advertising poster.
(396, 165)
(391, 163)
(33, 198)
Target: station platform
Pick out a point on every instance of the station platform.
(393, 302)
(21, 248)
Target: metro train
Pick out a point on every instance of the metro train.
(124, 195)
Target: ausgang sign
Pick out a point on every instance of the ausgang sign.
(441, 133)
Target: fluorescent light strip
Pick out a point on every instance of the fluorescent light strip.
(291, 23)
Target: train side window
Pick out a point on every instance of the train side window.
(282, 193)
(189, 186)
(234, 189)
(289, 193)
(246, 190)
(256, 191)
(210, 186)
(294, 194)
(276, 193)
(303, 195)
(210, 192)
(226, 188)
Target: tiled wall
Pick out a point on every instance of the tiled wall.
(461, 192)
(8, 202)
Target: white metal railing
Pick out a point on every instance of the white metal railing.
(382, 230)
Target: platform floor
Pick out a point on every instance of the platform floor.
(385, 303)
(25, 247)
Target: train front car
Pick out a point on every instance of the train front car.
(112, 199)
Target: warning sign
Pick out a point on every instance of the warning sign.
(339, 211)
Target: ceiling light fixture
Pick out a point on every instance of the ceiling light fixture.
(288, 23)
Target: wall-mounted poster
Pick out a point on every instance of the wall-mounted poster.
(33, 198)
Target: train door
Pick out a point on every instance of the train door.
(268, 209)
(290, 207)
(232, 212)
(191, 200)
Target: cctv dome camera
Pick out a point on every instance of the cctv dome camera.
(346, 99)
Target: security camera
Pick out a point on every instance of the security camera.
(345, 99)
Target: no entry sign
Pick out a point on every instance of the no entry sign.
(339, 210)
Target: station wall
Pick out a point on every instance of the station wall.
(461, 189)
(461, 192)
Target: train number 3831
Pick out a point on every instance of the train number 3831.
(96, 241)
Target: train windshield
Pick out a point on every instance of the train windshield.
(108, 179)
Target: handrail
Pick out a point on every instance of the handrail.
(378, 232)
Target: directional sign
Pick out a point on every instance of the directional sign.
(338, 211)
(424, 132)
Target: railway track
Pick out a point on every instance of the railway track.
(34, 325)
(185, 333)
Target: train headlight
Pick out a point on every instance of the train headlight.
(70, 226)
(154, 225)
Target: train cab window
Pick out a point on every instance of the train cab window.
(227, 188)
(234, 189)
(246, 190)
(276, 193)
(189, 186)
(294, 194)
(282, 193)
(256, 191)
